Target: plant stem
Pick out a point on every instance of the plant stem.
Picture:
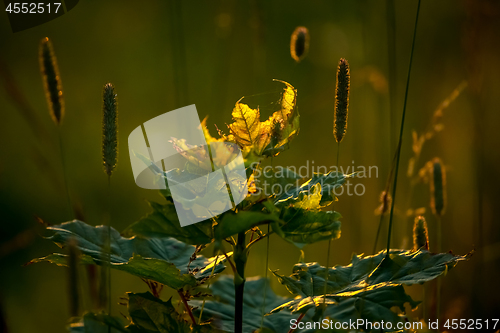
(392, 59)
(398, 151)
(438, 282)
(298, 321)
(329, 243)
(108, 268)
(186, 305)
(240, 258)
(63, 164)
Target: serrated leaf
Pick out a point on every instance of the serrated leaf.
(232, 223)
(308, 279)
(311, 200)
(372, 304)
(300, 226)
(164, 260)
(163, 222)
(329, 182)
(247, 129)
(221, 309)
(151, 314)
(375, 282)
(265, 138)
(417, 267)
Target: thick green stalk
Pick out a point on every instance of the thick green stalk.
(398, 152)
(240, 260)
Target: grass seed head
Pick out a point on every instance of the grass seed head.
(299, 43)
(420, 234)
(109, 129)
(438, 187)
(341, 100)
(51, 80)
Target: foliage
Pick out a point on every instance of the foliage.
(157, 249)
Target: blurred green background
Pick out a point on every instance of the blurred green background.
(162, 55)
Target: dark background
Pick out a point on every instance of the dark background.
(163, 55)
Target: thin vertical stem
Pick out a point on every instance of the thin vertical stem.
(398, 154)
(329, 241)
(65, 176)
(108, 268)
(392, 65)
(438, 282)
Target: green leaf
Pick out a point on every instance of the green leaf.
(154, 315)
(163, 222)
(372, 305)
(328, 182)
(311, 200)
(164, 260)
(221, 309)
(308, 279)
(367, 288)
(232, 223)
(407, 267)
(278, 177)
(301, 226)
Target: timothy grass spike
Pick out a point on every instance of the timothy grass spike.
(109, 129)
(420, 234)
(51, 80)
(299, 43)
(342, 100)
(438, 187)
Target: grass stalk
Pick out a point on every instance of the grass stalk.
(329, 243)
(109, 158)
(108, 267)
(65, 175)
(438, 280)
(398, 150)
